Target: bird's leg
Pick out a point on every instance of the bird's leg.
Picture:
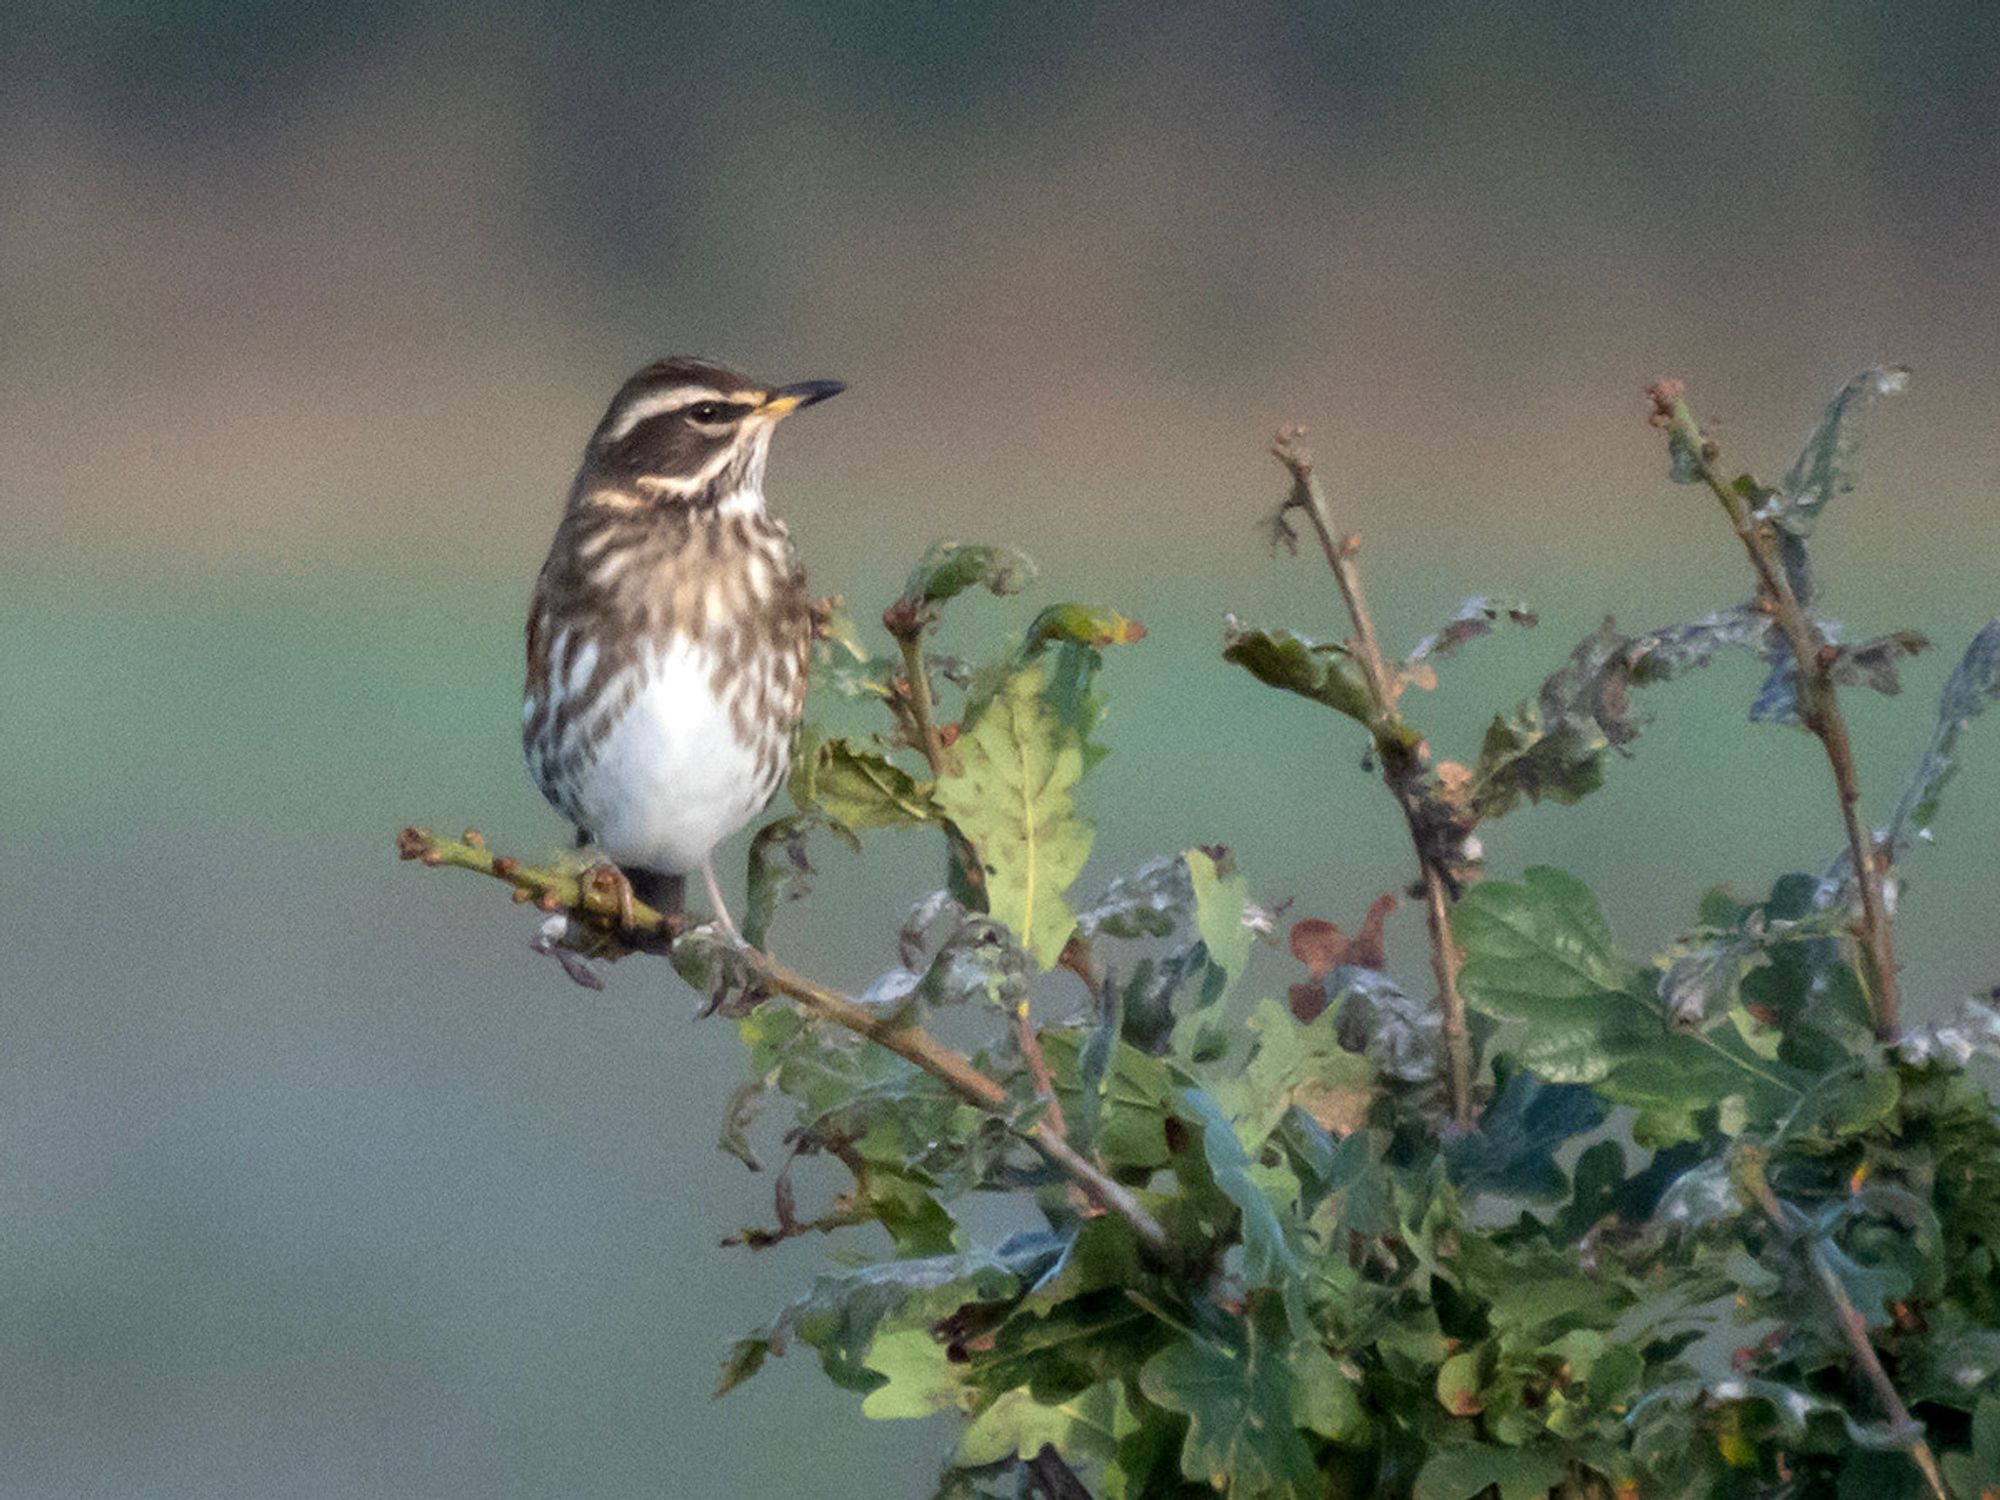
(727, 922)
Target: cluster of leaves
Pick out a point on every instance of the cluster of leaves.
(999, 783)
(1005, 774)
(1692, 1176)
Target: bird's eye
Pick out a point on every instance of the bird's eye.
(709, 412)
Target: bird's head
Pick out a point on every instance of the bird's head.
(685, 431)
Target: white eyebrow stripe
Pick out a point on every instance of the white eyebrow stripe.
(659, 404)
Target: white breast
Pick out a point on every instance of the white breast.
(671, 780)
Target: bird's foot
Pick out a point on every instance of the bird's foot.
(607, 881)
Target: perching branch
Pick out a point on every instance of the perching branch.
(1819, 703)
(1747, 1166)
(1400, 749)
(599, 907)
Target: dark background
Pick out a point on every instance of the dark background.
(312, 1180)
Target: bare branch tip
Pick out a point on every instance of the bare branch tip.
(1664, 395)
(1290, 448)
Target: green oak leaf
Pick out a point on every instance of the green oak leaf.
(1320, 670)
(1297, 1064)
(1538, 952)
(1077, 635)
(1326, 1394)
(1977, 1471)
(1220, 896)
(1540, 942)
(1523, 1126)
(1017, 1425)
(1087, 1338)
(1239, 1399)
(948, 569)
(779, 872)
(918, 1377)
(908, 1135)
(1462, 1473)
(843, 1313)
(1846, 1102)
(745, 1102)
(1148, 1462)
(1134, 1095)
(1083, 625)
(1013, 797)
(1102, 1256)
(1529, 755)
(916, 1223)
(1534, 1291)
(1458, 1383)
(1268, 1257)
(855, 788)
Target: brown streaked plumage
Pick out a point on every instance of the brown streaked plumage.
(669, 631)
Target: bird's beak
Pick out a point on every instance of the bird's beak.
(789, 398)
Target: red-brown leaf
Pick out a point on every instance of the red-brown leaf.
(1322, 947)
(1308, 1001)
(1318, 945)
(1365, 951)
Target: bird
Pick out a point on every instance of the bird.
(670, 629)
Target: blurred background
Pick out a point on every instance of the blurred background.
(313, 1181)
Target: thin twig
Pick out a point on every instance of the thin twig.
(1030, 1043)
(1819, 706)
(922, 711)
(1749, 1173)
(1038, 1068)
(556, 890)
(848, 1209)
(1444, 966)
(1399, 749)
